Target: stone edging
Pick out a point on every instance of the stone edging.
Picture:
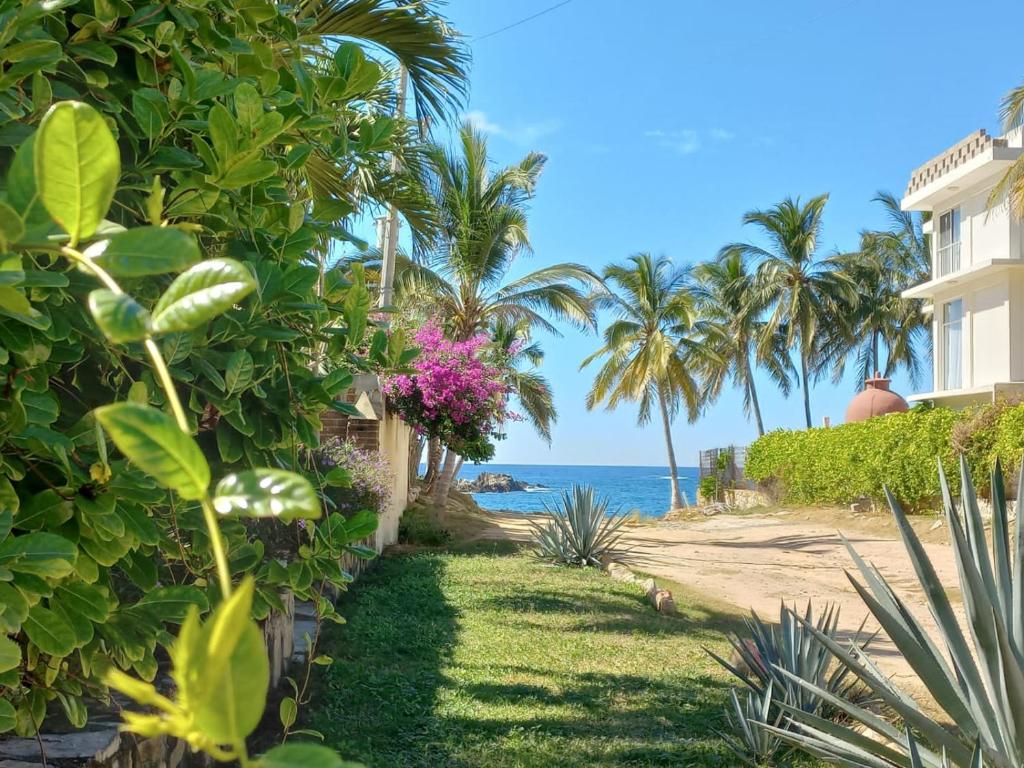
(659, 597)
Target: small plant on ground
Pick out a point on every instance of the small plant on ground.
(710, 488)
(770, 661)
(976, 677)
(580, 530)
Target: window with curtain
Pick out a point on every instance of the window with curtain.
(953, 344)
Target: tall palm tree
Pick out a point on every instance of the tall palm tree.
(482, 212)
(730, 327)
(888, 262)
(803, 293)
(647, 346)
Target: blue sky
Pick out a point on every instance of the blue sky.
(665, 120)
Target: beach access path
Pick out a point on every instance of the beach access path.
(753, 561)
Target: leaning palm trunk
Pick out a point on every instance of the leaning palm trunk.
(976, 676)
(673, 471)
(755, 404)
(433, 463)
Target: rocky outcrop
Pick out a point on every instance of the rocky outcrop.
(493, 482)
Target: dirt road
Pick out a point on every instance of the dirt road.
(754, 561)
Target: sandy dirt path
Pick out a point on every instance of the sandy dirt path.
(754, 561)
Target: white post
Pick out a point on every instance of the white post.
(390, 245)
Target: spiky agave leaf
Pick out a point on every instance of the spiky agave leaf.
(980, 687)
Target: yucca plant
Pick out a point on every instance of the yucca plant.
(978, 682)
(580, 530)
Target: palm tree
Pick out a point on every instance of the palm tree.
(888, 262)
(520, 357)
(1012, 183)
(481, 214)
(803, 293)
(730, 327)
(647, 346)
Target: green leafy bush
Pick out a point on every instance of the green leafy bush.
(845, 463)
(166, 232)
(710, 488)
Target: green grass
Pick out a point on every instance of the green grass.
(490, 658)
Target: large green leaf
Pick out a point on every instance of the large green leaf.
(77, 167)
(203, 292)
(173, 603)
(10, 654)
(303, 756)
(151, 439)
(15, 305)
(267, 493)
(144, 251)
(40, 554)
(48, 632)
(234, 678)
(119, 316)
(85, 599)
(239, 372)
(8, 717)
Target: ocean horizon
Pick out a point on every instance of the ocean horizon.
(643, 489)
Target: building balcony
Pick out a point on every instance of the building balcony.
(947, 260)
(943, 283)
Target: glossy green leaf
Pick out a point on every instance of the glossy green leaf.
(77, 165)
(10, 654)
(239, 371)
(151, 439)
(8, 717)
(11, 225)
(203, 292)
(287, 711)
(49, 632)
(39, 554)
(119, 316)
(85, 599)
(267, 493)
(173, 603)
(15, 305)
(143, 251)
(361, 525)
(235, 674)
(295, 755)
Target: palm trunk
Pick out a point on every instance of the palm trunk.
(433, 462)
(874, 352)
(677, 497)
(755, 405)
(806, 383)
(444, 482)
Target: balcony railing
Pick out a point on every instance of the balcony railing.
(947, 260)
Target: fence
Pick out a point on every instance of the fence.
(727, 465)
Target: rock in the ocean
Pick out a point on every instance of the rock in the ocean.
(492, 482)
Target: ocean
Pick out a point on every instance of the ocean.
(645, 489)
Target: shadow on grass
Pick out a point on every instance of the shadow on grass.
(447, 665)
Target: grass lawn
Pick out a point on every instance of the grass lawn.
(490, 658)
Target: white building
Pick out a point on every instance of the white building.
(976, 294)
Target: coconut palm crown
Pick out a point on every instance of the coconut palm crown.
(647, 347)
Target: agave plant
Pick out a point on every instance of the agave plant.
(580, 530)
(977, 680)
(791, 646)
(752, 743)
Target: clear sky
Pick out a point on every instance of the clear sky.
(665, 120)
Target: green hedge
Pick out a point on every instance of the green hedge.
(852, 461)
(841, 464)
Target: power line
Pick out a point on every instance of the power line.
(554, 7)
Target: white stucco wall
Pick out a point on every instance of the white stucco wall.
(395, 437)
